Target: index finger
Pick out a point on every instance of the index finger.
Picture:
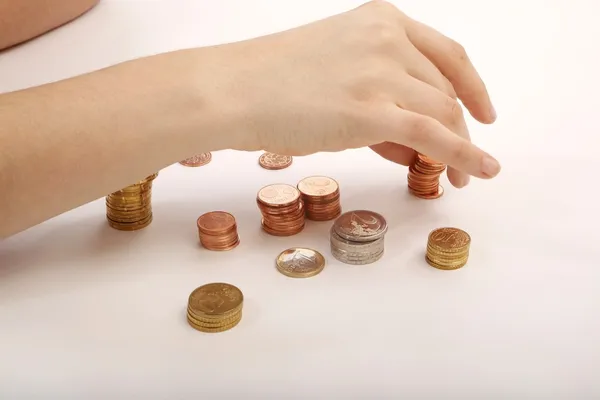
(453, 62)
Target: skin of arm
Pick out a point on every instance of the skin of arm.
(74, 141)
(371, 76)
(22, 20)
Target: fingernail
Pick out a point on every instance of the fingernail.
(493, 114)
(490, 167)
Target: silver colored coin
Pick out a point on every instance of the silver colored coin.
(352, 261)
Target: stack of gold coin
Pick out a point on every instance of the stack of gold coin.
(357, 237)
(448, 248)
(300, 262)
(218, 231)
(321, 197)
(130, 208)
(215, 307)
(424, 178)
(282, 209)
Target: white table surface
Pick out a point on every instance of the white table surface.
(87, 312)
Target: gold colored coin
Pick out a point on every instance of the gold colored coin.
(213, 330)
(300, 262)
(449, 238)
(215, 299)
(448, 248)
(213, 318)
(216, 323)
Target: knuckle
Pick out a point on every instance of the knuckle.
(457, 50)
(453, 110)
(420, 130)
(460, 152)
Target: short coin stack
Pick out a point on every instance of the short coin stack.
(321, 197)
(300, 262)
(217, 231)
(130, 209)
(448, 248)
(424, 178)
(215, 307)
(282, 210)
(357, 237)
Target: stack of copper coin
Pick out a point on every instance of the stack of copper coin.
(282, 209)
(218, 231)
(424, 178)
(130, 208)
(321, 197)
(357, 237)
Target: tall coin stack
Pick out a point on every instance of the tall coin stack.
(448, 248)
(215, 307)
(130, 209)
(217, 231)
(357, 237)
(321, 197)
(424, 178)
(282, 210)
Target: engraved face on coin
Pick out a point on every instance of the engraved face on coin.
(360, 225)
(449, 238)
(197, 160)
(274, 161)
(215, 299)
(216, 221)
(317, 186)
(299, 262)
(278, 194)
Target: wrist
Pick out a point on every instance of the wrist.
(218, 119)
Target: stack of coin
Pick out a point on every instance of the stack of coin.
(357, 237)
(424, 178)
(321, 197)
(282, 209)
(300, 262)
(130, 209)
(448, 248)
(215, 307)
(218, 231)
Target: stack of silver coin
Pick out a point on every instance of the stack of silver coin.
(357, 237)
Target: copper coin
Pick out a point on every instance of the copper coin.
(317, 186)
(197, 160)
(274, 161)
(278, 194)
(360, 226)
(449, 238)
(215, 222)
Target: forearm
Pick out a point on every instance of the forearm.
(21, 20)
(70, 142)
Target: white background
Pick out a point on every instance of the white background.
(87, 312)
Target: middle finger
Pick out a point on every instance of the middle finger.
(427, 100)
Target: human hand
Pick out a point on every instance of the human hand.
(369, 77)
